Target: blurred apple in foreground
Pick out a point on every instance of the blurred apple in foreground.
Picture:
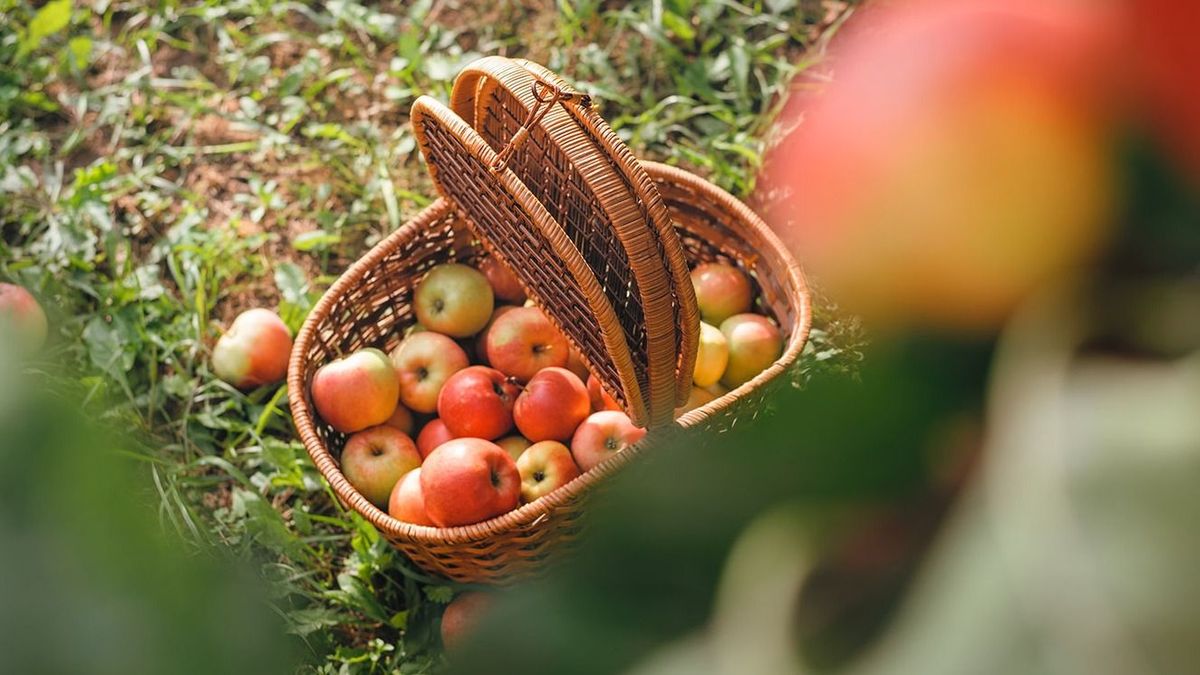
(21, 313)
(374, 460)
(253, 352)
(1166, 59)
(958, 159)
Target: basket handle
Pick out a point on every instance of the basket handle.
(545, 95)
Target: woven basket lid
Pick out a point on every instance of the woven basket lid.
(589, 181)
(515, 227)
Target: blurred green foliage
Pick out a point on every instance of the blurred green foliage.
(164, 166)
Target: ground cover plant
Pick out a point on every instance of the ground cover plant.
(165, 166)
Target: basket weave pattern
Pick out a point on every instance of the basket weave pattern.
(579, 185)
(506, 219)
(370, 305)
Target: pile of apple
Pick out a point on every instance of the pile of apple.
(521, 419)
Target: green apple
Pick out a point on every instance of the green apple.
(454, 299)
(712, 355)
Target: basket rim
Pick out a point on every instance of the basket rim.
(529, 515)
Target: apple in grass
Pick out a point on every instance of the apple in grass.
(478, 402)
(544, 467)
(523, 341)
(505, 284)
(481, 338)
(461, 615)
(721, 291)
(433, 434)
(552, 405)
(423, 362)
(374, 460)
(601, 400)
(21, 314)
(453, 299)
(407, 502)
(254, 351)
(514, 445)
(602, 435)
(357, 391)
(712, 355)
(468, 480)
(754, 344)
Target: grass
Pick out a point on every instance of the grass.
(165, 166)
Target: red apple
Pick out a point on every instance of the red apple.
(960, 158)
(754, 344)
(21, 314)
(505, 284)
(423, 362)
(407, 502)
(552, 405)
(602, 435)
(433, 434)
(374, 460)
(523, 341)
(453, 299)
(402, 419)
(712, 355)
(481, 338)
(545, 467)
(600, 398)
(357, 391)
(461, 616)
(697, 398)
(575, 363)
(1166, 58)
(254, 351)
(468, 480)
(478, 402)
(721, 291)
(514, 445)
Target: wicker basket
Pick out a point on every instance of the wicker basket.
(371, 305)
